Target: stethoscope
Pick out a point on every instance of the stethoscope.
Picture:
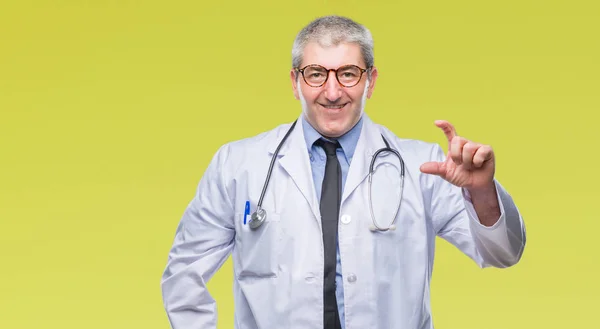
(259, 216)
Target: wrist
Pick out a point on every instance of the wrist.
(488, 189)
(485, 202)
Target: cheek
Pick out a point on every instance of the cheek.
(310, 95)
(357, 95)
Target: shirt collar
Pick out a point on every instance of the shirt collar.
(348, 141)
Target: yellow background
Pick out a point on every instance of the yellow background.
(111, 110)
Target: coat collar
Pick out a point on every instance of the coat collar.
(369, 142)
(293, 158)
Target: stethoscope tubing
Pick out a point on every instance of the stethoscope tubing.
(259, 215)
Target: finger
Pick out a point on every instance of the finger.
(456, 149)
(483, 154)
(434, 168)
(448, 130)
(468, 153)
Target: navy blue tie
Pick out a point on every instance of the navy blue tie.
(330, 209)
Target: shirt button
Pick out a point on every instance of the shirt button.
(346, 219)
(312, 158)
(352, 278)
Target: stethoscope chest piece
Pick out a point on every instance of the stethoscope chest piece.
(258, 218)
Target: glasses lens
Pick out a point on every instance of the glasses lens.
(349, 75)
(315, 75)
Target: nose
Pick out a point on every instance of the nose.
(333, 90)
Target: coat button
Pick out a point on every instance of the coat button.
(352, 278)
(346, 219)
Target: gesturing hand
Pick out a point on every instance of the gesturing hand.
(468, 164)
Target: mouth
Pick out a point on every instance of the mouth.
(334, 107)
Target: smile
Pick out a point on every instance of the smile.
(334, 107)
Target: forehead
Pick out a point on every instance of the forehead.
(334, 56)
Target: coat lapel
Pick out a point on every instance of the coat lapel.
(293, 158)
(369, 141)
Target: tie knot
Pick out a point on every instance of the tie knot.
(329, 147)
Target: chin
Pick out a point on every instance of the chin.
(332, 125)
(334, 128)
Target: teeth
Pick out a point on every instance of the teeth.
(333, 106)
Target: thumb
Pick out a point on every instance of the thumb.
(433, 168)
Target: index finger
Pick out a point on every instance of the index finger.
(448, 130)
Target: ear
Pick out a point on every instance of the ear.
(372, 82)
(294, 83)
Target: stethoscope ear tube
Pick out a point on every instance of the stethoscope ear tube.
(391, 228)
(258, 217)
(375, 227)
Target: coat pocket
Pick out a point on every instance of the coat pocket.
(258, 249)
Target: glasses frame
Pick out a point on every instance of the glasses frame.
(301, 70)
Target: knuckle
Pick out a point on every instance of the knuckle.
(486, 149)
(471, 146)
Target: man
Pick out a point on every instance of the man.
(323, 256)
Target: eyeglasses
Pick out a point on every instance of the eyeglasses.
(316, 75)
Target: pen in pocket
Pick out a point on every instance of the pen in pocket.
(247, 211)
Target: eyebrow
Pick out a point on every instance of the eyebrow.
(314, 65)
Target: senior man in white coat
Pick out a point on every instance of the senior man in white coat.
(323, 257)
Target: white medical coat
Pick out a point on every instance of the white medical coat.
(278, 269)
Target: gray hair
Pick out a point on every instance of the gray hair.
(331, 31)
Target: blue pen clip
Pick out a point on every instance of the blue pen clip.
(247, 211)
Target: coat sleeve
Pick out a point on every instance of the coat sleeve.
(455, 220)
(203, 242)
